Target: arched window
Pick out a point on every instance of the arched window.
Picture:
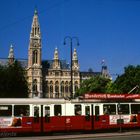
(62, 87)
(76, 85)
(56, 86)
(70, 86)
(66, 87)
(46, 88)
(38, 29)
(35, 90)
(35, 30)
(35, 55)
(51, 89)
(57, 89)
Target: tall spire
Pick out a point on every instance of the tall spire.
(35, 29)
(11, 55)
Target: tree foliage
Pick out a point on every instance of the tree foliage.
(97, 84)
(123, 83)
(13, 83)
(127, 81)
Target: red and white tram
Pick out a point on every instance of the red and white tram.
(92, 112)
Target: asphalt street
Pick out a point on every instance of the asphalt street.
(134, 135)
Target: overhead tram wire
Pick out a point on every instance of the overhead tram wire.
(30, 16)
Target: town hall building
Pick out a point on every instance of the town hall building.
(50, 78)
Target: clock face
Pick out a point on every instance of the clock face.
(35, 43)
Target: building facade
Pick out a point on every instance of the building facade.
(57, 82)
(49, 79)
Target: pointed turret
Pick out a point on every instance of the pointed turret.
(75, 60)
(56, 63)
(56, 54)
(11, 55)
(35, 29)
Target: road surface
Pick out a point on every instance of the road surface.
(133, 135)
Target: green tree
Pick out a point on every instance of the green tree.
(13, 83)
(127, 81)
(97, 84)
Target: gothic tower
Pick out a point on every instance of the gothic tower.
(34, 71)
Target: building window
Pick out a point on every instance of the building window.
(66, 87)
(51, 89)
(57, 89)
(35, 91)
(56, 86)
(76, 85)
(57, 73)
(35, 55)
(70, 87)
(76, 74)
(35, 31)
(62, 87)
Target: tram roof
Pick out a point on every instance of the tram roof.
(31, 101)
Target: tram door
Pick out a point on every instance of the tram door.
(88, 118)
(46, 118)
(36, 118)
(97, 117)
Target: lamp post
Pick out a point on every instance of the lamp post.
(71, 39)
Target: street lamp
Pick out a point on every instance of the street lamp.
(71, 39)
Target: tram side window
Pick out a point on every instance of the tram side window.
(123, 108)
(57, 110)
(135, 108)
(21, 110)
(109, 109)
(78, 110)
(5, 110)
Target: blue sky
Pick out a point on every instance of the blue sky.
(107, 29)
